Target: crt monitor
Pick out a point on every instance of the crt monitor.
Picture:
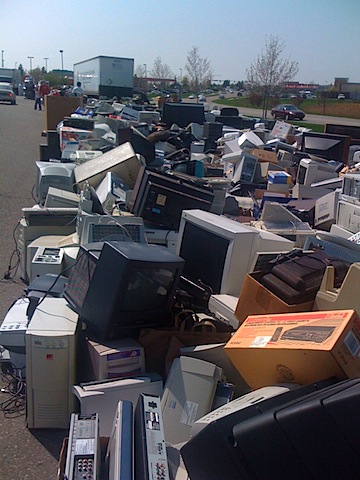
(311, 171)
(218, 251)
(160, 198)
(183, 113)
(326, 145)
(124, 287)
(53, 174)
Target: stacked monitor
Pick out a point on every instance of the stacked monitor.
(160, 198)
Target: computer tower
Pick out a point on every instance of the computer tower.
(51, 364)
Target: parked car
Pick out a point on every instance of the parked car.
(288, 112)
(201, 98)
(341, 96)
(7, 93)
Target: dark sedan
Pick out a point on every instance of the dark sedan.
(288, 112)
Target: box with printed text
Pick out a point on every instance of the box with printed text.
(296, 347)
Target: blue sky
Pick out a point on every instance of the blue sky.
(323, 36)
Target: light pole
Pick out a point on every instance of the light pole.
(145, 77)
(62, 59)
(46, 59)
(30, 58)
(180, 75)
(2, 58)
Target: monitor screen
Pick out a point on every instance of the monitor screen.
(130, 286)
(326, 145)
(218, 251)
(193, 246)
(160, 198)
(183, 113)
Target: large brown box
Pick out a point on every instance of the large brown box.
(255, 299)
(298, 348)
(57, 107)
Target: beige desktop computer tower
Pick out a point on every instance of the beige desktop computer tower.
(50, 364)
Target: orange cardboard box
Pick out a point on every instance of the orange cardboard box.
(264, 155)
(255, 299)
(296, 347)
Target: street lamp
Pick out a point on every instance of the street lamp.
(46, 59)
(30, 58)
(2, 58)
(62, 59)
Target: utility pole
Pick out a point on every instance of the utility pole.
(46, 60)
(62, 59)
(2, 58)
(30, 58)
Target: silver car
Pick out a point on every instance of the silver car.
(7, 93)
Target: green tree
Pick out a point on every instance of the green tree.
(270, 71)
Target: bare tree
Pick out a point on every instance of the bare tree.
(199, 69)
(140, 77)
(269, 72)
(161, 71)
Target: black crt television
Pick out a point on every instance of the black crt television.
(160, 198)
(123, 287)
(352, 130)
(183, 113)
(326, 145)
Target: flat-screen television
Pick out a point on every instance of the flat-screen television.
(160, 198)
(123, 287)
(326, 145)
(311, 171)
(218, 251)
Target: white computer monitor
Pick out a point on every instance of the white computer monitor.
(54, 174)
(311, 171)
(218, 251)
(121, 160)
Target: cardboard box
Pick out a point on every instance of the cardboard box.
(57, 107)
(282, 129)
(277, 177)
(279, 188)
(74, 136)
(297, 348)
(264, 155)
(255, 299)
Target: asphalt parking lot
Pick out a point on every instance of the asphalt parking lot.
(24, 454)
